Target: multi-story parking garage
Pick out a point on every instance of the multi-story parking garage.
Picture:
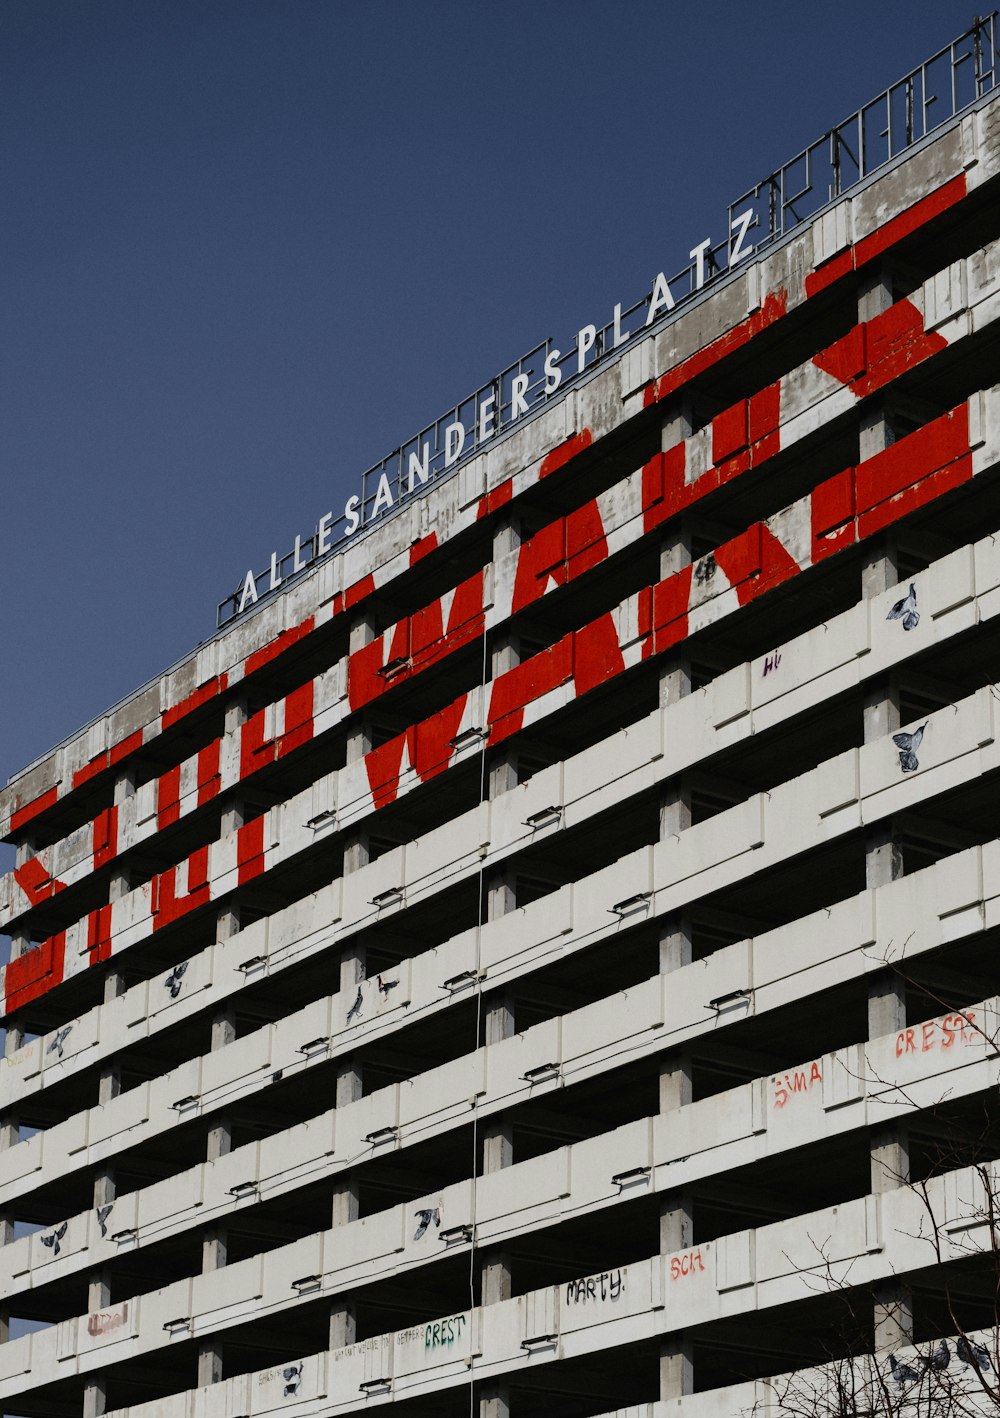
(540, 957)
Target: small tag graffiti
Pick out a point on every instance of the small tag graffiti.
(687, 1263)
(443, 1333)
(798, 1080)
(107, 1321)
(609, 1285)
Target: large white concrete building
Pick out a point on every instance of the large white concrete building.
(542, 958)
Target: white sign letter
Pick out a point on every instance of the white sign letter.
(486, 418)
(553, 374)
(698, 257)
(351, 515)
(739, 225)
(584, 341)
(661, 299)
(383, 496)
(620, 335)
(518, 389)
(298, 563)
(249, 596)
(323, 534)
(276, 580)
(419, 467)
(454, 442)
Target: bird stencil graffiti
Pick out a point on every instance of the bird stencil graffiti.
(293, 1379)
(103, 1212)
(58, 1039)
(908, 745)
(384, 986)
(939, 1358)
(356, 1006)
(173, 980)
(906, 610)
(53, 1239)
(975, 1356)
(425, 1216)
(902, 1374)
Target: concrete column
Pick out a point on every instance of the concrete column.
(676, 951)
(498, 1152)
(494, 1400)
(498, 1139)
(343, 1322)
(890, 1163)
(9, 1134)
(504, 655)
(124, 789)
(214, 1239)
(214, 1246)
(357, 850)
(499, 1022)
(676, 1218)
(346, 1196)
(109, 1080)
(209, 1362)
(675, 554)
(227, 920)
(20, 939)
(99, 1289)
(95, 1396)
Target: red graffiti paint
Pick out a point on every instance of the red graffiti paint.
(755, 562)
(270, 652)
(250, 850)
(168, 798)
(167, 906)
(528, 681)
(209, 777)
(422, 547)
(563, 550)
(90, 770)
(298, 719)
(105, 829)
(32, 974)
(597, 655)
(566, 451)
(256, 750)
(874, 354)
(99, 935)
(492, 501)
(773, 309)
(687, 1263)
(203, 695)
(668, 611)
(30, 810)
(416, 642)
(913, 471)
(919, 468)
(832, 511)
(941, 1033)
(664, 490)
(359, 591)
(124, 747)
(886, 236)
(108, 759)
(786, 1086)
(33, 878)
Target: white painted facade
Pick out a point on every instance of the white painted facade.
(542, 958)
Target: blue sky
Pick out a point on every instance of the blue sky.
(249, 246)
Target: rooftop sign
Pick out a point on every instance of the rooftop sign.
(901, 116)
